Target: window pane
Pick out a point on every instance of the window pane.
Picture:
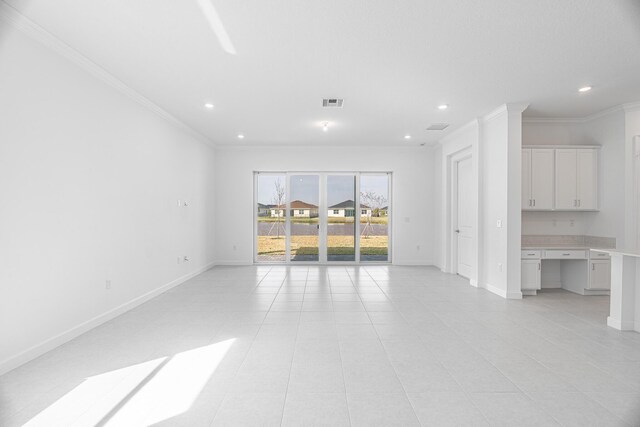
(341, 191)
(271, 205)
(374, 217)
(305, 198)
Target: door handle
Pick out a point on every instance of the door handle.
(534, 202)
(457, 231)
(529, 202)
(578, 202)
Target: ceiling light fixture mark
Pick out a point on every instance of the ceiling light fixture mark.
(208, 106)
(443, 106)
(585, 89)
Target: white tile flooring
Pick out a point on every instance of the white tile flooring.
(360, 346)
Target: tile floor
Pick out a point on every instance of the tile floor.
(332, 346)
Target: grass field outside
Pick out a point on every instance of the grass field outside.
(308, 245)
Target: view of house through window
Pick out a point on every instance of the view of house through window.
(271, 230)
(374, 222)
(322, 217)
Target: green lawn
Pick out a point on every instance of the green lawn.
(308, 245)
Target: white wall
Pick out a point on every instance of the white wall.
(89, 182)
(495, 143)
(412, 193)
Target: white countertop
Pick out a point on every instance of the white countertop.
(628, 252)
(552, 247)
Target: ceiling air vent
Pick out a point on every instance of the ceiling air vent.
(332, 102)
(438, 126)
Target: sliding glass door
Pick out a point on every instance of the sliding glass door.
(304, 222)
(322, 217)
(374, 213)
(341, 218)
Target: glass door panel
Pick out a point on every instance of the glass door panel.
(341, 225)
(271, 217)
(304, 193)
(374, 213)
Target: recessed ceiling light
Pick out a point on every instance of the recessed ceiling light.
(584, 89)
(208, 106)
(240, 136)
(325, 126)
(443, 107)
(407, 137)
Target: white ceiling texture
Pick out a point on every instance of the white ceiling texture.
(267, 65)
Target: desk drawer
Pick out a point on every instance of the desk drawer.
(599, 255)
(560, 254)
(530, 254)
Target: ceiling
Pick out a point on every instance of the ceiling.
(393, 62)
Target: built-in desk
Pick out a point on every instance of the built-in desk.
(582, 271)
(624, 313)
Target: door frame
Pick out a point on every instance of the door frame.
(453, 219)
(323, 217)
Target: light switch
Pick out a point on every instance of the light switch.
(499, 223)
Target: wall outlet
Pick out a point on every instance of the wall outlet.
(499, 223)
(185, 203)
(186, 259)
(107, 285)
(571, 222)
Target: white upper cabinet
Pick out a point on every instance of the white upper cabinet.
(566, 179)
(587, 179)
(542, 160)
(576, 179)
(526, 179)
(559, 179)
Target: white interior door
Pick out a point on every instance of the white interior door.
(464, 217)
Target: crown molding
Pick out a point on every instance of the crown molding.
(25, 25)
(627, 108)
(631, 107)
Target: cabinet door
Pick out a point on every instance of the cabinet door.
(587, 179)
(526, 179)
(566, 183)
(542, 174)
(600, 274)
(530, 272)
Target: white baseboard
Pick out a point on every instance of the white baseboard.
(474, 283)
(51, 343)
(416, 263)
(552, 285)
(514, 295)
(234, 262)
(493, 289)
(620, 325)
